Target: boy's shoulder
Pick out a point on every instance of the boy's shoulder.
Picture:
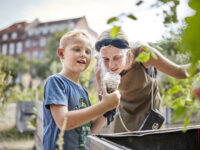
(54, 77)
(59, 79)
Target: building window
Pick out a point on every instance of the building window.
(30, 32)
(28, 43)
(43, 42)
(35, 43)
(62, 27)
(5, 36)
(11, 48)
(19, 48)
(71, 25)
(37, 31)
(41, 55)
(35, 54)
(4, 49)
(14, 35)
(28, 55)
(53, 28)
(45, 30)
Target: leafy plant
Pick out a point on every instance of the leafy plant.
(178, 95)
(190, 40)
(13, 135)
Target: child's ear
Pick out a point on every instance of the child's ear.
(60, 52)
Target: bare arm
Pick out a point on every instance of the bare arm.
(166, 66)
(77, 118)
(98, 123)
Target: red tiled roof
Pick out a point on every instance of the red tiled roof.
(14, 27)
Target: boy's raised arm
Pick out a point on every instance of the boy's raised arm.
(76, 118)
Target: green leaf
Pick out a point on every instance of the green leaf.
(132, 17)
(178, 114)
(113, 19)
(114, 31)
(189, 102)
(190, 40)
(139, 3)
(186, 122)
(143, 57)
(145, 48)
(174, 89)
(154, 55)
(193, 68)
(177, 103)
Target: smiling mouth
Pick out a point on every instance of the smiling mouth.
(81, 62)
(113, 70)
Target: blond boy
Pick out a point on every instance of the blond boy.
(64, 97)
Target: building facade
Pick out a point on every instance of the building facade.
(31, 38)
(11, 39)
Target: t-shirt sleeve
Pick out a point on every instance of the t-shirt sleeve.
(55, 92)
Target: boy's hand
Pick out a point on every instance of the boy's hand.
(111, 100)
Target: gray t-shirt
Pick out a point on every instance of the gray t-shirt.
(61, 91)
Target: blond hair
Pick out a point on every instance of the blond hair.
(107, 34)
(70, 34)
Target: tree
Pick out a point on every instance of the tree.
(4, 80)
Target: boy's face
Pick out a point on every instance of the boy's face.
(77, 54)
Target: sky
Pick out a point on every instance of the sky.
(148, 27)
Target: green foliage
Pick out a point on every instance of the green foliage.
(145, 55)
(51, 63)
(112, 20)
(52, 46)
(86, 76)
(12, 66)
(40, 68)
(114, 31)
(178, 95)
(32, 124)
(93, 95)
(10, 69)
(131, 16)
(13, 135)
(190, 40)
(170, 14)
(87, 80)
(139, 3)
(4, 80)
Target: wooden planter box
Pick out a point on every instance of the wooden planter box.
(24, 113)
(39, 122)
(165, 139)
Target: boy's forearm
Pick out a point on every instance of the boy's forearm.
(97, 124)
(77, 118)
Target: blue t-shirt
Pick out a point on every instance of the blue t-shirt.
(61, 91)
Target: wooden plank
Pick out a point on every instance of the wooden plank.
(39, 122)
(99, 144)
